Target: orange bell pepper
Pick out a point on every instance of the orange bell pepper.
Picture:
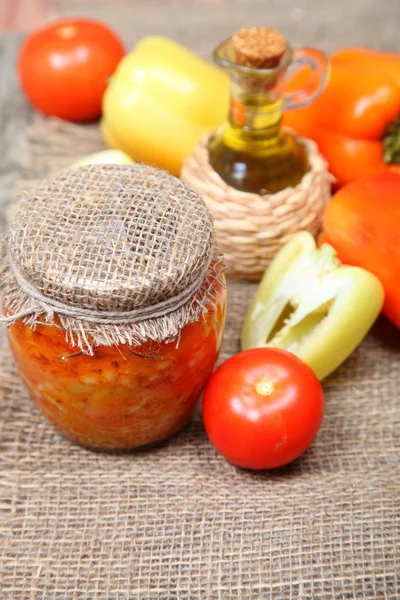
(362, 222)
(355, 121)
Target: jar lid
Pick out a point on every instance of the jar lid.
(109, 245)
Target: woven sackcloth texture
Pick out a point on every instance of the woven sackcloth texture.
(122, 253)
(180, 522)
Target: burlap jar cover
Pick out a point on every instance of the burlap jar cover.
(251, 228)
(122, 254)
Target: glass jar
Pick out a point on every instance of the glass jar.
(116, 325)
(121, 396)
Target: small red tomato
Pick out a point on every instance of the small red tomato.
(262, 408)
(64, 67)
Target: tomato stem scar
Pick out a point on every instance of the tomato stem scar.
(67, 32)
(264, 386)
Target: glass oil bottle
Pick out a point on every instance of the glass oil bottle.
(252, 152)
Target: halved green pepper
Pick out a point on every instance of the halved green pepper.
(313, 306)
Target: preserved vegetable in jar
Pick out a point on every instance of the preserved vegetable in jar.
(116, 326)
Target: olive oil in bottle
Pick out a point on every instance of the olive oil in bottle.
(252, 153)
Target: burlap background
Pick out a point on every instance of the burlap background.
(180, 522)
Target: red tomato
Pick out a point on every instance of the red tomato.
(262, 408)
(64, 67)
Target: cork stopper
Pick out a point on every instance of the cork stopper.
(258, 47)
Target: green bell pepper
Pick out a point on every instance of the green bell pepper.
(313, 306)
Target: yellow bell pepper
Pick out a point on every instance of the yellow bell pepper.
(160, 101)
(313, 306)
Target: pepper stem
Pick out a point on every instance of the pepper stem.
(391, 143)
(326, 258)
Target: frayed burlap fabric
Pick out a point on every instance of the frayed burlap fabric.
(122, 254)
(179, 522)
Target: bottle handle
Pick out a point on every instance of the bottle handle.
(318, 63)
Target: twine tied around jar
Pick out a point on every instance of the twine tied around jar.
(121, 254)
